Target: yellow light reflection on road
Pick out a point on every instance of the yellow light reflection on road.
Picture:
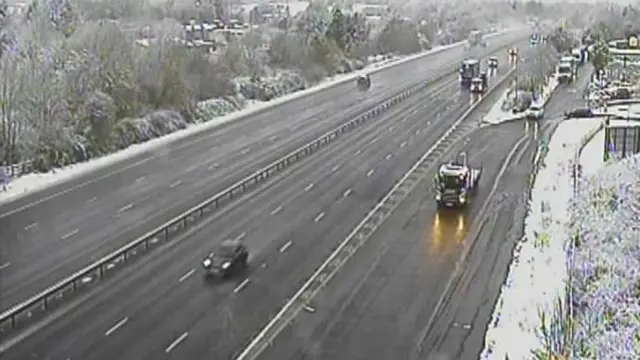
(448, 230)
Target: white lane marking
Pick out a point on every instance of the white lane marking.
(346, 193)
(391, 127)
(274, 137)
(116, 326)
(276, 210)
(429, 122)
(242, 285)
(31, 226)
(319, 217)
(245, 151)
(418, 132)
(240, 237)
(176, 342)
(335, 168)
(214, 166)
(125, 208)
(5, 265)
(388, 156)
(403, 144)
(309, 187)
(92, 200)
(309, 309)
(68, 235)
(141, 178)
(286, 246)
(185, 276)
(357, 152)
(370, 172)
(374, 141)
(175, 184)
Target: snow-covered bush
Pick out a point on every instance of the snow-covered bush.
(85, 78)
(606, 272)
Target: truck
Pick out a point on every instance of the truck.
(566, 70)
(579, 56)
(469, 69)
(456, 183)
(476, 38)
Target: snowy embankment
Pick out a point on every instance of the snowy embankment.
(221, 111)
(497, 114)
(605, 277)
(538, 272)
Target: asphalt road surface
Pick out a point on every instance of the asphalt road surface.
(49, 235)
(406, 294)
(163, 308)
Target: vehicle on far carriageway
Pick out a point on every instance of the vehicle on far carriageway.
(363, 82)
(230, 256)
(456, 182)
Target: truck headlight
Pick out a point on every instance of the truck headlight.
(462, 199)
(226, 265)
(438, 197)
(206, 263)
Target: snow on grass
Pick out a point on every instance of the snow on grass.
(497, 115)
(605, 277)
(32, 182)
(538, 272)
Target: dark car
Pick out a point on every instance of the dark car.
(579, 113)
(493, 62)
(363, 82)
(227, 258)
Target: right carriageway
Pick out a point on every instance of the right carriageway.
(423, 285)
(161, 308)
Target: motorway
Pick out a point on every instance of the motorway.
(50, 234)
(161, 307)
(407, 294)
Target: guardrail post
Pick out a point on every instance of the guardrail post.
(13, 321)
(244, 186)
(45, 303)
(166, 230)
(101, 269)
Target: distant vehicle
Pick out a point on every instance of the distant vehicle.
(230, 256)
(469, 69)
(476, 38)
(579, 56)
(456, 182)
(363, 82)
(579, 113)
(513, 52)
(535, 112)
(493, 63)
(479, 84)
(534, 39)
(565, 73)
(521, 105)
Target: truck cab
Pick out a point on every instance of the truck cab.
(455, 183)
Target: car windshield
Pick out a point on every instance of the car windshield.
(226, 251)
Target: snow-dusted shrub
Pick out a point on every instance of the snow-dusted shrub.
(212, 108)
(606, 273)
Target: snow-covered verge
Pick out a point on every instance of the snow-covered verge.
(501, 112)
(538, 273)
(605, 276)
